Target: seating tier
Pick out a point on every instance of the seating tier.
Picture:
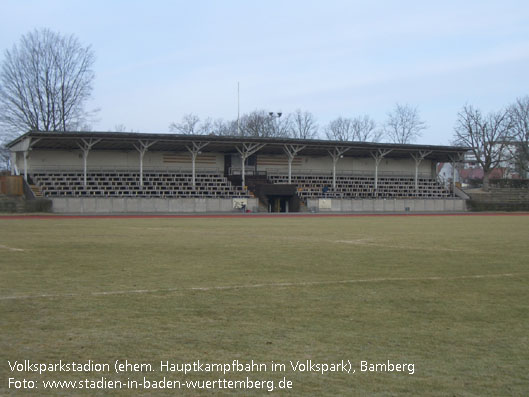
(127, 184)
(315, 186)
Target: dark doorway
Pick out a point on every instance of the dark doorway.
(278, 198)
(279, 204)
(227, 164)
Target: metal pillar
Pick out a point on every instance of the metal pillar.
(86, 147)
(195, 151)
(454, 176)
(378, 156)
(142, 149)
(246, 151)
(26, 154)
(454, 158)
(418, 157)
(13, 163)
(28, 145)
(292, 151)
(336, 154)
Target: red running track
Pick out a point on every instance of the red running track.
(253, 215)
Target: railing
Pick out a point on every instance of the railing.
(352, 173)
(247, 171)
(78, 168)
(28, 193)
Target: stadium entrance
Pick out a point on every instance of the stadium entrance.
(277, 198)
(279, 204)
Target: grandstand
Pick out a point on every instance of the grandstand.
(127, 184)
(133, 172)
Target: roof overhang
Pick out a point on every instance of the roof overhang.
(125, 141)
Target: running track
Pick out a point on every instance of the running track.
(254, 215)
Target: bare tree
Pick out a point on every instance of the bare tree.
(4, 157)
(45, 82)
(365, 129)
(303, 125)
(340, 129)
(188, 126)
(263, 124)
(123, 128)
(257, 124)
(519, 115)
(224, 128)
(488, 137)
(281, 124)
(360, 129)
(5, 154)
(403, 124)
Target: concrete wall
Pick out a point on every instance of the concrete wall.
(365, 165)
(381, 205)
(93, 205)
(100, 159)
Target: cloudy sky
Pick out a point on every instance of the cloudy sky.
(158, 60)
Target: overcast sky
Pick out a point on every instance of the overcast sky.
(158, 60)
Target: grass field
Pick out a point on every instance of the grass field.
(448, 294)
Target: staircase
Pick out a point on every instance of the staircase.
(36, 191)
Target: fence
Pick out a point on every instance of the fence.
(11, 185)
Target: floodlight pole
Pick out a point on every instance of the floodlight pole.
(418, 157)
(86, 147)
(142, 148)
(275, 116)
(292, 151)
(195, 151)
(336, 154)
(238, 110)
(378, 156)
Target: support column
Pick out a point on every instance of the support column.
(336, 154)
(25, 154)
(142, 148)
(418, 157)
(454, 159)
(246, 151)
(291, 151)
(378, 156)
(13, 163)
(28, 145)
(195, 151)
(86, 147)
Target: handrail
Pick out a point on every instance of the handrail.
(460, 193)
(320, 172)
(28, 193)
(90, 169)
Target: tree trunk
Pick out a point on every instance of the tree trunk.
(486, 176)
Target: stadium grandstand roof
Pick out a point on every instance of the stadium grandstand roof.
(226, 144)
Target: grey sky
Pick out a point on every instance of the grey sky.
(157, 60)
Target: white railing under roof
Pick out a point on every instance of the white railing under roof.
(103, 168)
(352, 173)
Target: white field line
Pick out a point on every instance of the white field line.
(11, 248)
(263, 285)
(405, 247)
